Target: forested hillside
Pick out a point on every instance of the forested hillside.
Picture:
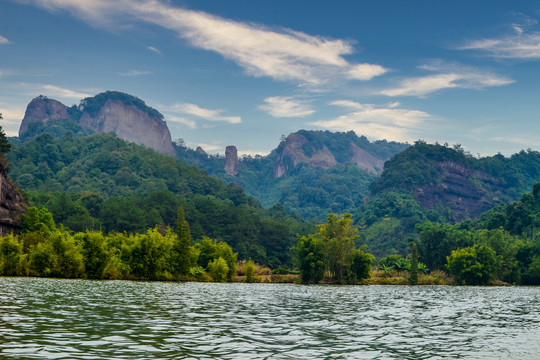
(440, 184)
(103, 182)
(311, 173)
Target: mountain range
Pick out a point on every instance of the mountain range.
(389, 187)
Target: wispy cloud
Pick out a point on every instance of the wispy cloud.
(182, 120)
(448, 77)
(207, 114)
(380, 122)
(156, 50)
(281, 54)
(520, 44)
(4, 41)
(52, 91)
(135, 73)
(286, 106)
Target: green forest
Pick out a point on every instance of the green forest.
(101, 207)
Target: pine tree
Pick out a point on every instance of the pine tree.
(413, 279)
(182, 246)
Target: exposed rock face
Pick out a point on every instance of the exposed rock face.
(468, 193)
(42, 109)
(293, 154)
(366, 161)
(131, 124)
(12, 205)
(124, 118)
(231, 164)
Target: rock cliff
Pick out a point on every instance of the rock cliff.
(131, 124)
(12, 205)
(111, 111)
(292, 152)
(231, 163)
(468, 193)
(43, 109)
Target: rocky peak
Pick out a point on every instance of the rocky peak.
(12, 205)
(130, 123)
(43, 109)
(231, 160)
(111, 111)
(199, 150)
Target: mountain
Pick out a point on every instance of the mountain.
(12, 204)
(438, 183)
(111, 111)
(311, 173)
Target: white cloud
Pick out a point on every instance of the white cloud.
(448, 77)
(518, 46)
(285, 106)
(377, 122)
(4, 41)
(156, 50)
(282, 54)
(135, 73)
(55, 91)
(208, 114)
(181, 120)
(11, 119)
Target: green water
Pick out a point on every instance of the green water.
(79, 319)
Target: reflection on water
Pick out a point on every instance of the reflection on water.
(79, 319)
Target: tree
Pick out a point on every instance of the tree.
(182, 244)
(338, 237)
(5, 145)
(472, 265)
(218, 269)
(310, 256)
(360, 265)
(413, 278)
(250, 270)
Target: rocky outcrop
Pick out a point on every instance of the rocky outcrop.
(111, 111)
(291, 154)
(366, 161)
(131, 124)
(12, 205)
(199, 150)
(468, 193)
(231, 160)
(43, 109)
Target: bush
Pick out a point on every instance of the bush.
(218, 269)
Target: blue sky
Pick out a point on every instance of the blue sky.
(246, 72)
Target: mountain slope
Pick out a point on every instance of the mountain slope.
(311, 173)
(438, 183)
(103, 182)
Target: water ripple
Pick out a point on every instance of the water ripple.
(79, 319)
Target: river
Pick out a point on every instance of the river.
(83, 319)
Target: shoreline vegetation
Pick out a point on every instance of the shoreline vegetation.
(162, 254)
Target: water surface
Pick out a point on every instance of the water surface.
(81, 319)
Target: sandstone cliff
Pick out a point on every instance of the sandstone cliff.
(131, 124)
(12, 205)
(42, 109)
(292, 153)
(111, 111)
(231, 160)
(468, 193)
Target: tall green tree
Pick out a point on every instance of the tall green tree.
(338, 237)
(413, 278)
(310, 259)
(182, 245)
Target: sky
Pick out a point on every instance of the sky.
(246, 72)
